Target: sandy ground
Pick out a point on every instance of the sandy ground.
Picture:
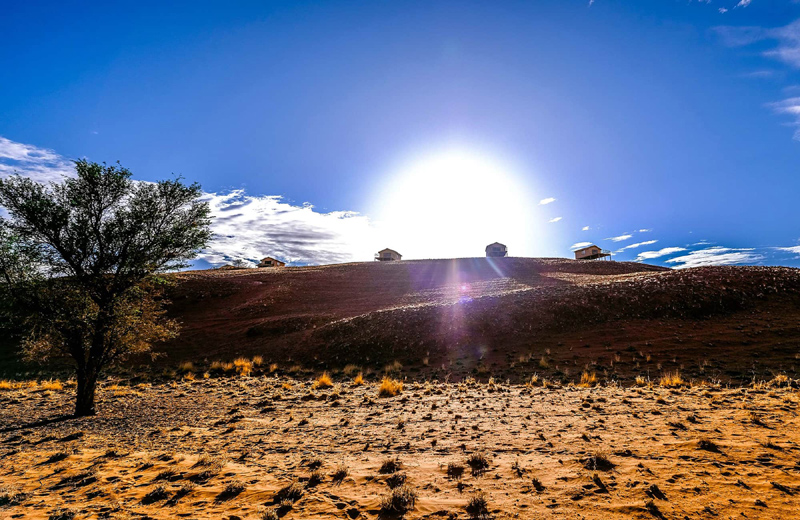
(225, 448)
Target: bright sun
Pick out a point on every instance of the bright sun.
(452, 205)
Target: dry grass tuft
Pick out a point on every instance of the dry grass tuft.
(588, 380)
(478, 462)
(478, 507)
(400, 501)
(390, 466)
(671, 380)
(390, 387)
(323, 381)
(243, 366)
(358, 380)
(53, 384)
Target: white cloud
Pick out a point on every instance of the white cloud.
(649, 255)
(722, 10)
(638, 244)
(245, 226)
(40, 164)
(556, 219)
(743, 3)
(717, 256)
(580, 245)
(585, 228)
(251, 227)
(645, 230)
(548, 200)
(791, 107)
(787, 38)
(620, 238)
(792, 249)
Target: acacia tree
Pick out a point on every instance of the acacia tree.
(80, 260)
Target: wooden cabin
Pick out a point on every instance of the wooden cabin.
(387, 255)
(591, 252)
(271, 262)
(496, 250)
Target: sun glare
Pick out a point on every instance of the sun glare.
(452, 205)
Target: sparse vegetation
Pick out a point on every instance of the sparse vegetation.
(400, 500)
(323, 381)
(478, 507)
(390, 387)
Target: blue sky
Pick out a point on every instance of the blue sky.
(674, 122)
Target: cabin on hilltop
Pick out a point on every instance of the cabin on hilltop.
(271, 262)
(387, 255)
(496, 250)
(591, 252)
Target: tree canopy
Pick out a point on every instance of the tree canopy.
(79, 260)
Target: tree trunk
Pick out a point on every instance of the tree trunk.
(84, 402)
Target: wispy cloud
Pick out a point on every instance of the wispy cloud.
(717, 256)
(743, 3)
(791, 107)
(722, 10)
(247, 227)
(650, 255)
(786, 39)
(620, 238)
(645, 230)
(548, 200)
(556, 219)
(40, 164)
(580, 245)
(636, 245)
(791, 249)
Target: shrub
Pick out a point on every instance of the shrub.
(390, 387)
(455, 470)
(400, 501)
(390, 466)
(340, 473)
(291, 493)
(478, 506)
(479, 463)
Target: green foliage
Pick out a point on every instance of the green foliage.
(79, 260)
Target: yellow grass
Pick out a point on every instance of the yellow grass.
(243, 366)
(53, 384)
(588, 379)
(390, 387)
(6, 385)
(273, 367)
(358, 380)
(258, 361)
(323, 381)
(219, 366)
(350, 370)
(543, 363)
(393, 367)
(641, 381)
(671, 380)
(286, 385)
(186, 366)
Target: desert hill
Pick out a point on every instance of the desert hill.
(501, 317)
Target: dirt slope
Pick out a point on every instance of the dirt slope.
(503, 316)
